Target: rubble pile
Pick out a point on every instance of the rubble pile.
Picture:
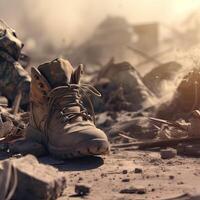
(122, 88)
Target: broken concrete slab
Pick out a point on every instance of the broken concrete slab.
(37, 181)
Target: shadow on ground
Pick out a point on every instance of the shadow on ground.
(77, 164)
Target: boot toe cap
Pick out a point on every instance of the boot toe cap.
(86, 142)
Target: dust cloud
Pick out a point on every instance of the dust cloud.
(63, 22)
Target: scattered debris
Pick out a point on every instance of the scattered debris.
(156, 143)
(14, 78)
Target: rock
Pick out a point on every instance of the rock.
(168, 153)
(133, 190)
(37, 181)
(82, 189)
(138, 170)
(126, 180)
(125, 171)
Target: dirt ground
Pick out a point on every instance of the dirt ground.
(108, 176)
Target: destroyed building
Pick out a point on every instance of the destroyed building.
(110, 39)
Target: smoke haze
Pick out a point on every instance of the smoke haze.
(58, 21)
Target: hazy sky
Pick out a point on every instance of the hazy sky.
(76, 19)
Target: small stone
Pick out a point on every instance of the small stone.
(168, 153)
(171, 177)
(126, 180)
(125, 171)
(80, 179)
(133, 190)
(82, 189)
(180, 183)
(138, 170)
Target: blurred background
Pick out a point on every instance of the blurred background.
(92, 32)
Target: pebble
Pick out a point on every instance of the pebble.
(126, 180)
(138, 170)
(82, 189)
(125, 171)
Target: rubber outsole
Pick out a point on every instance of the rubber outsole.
(86, 148)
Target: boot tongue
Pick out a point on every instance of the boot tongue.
(57, 72)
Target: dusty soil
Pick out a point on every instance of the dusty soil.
(107, 176)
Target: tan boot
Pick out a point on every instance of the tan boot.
(58, 118)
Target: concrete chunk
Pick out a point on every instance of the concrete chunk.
(37, 181)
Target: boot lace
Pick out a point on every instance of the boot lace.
(63, 97)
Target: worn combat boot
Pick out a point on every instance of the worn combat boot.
(58, 119)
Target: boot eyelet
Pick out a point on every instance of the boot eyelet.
(44, 93)
(66, 119)
(36, 77)
(40, 85)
